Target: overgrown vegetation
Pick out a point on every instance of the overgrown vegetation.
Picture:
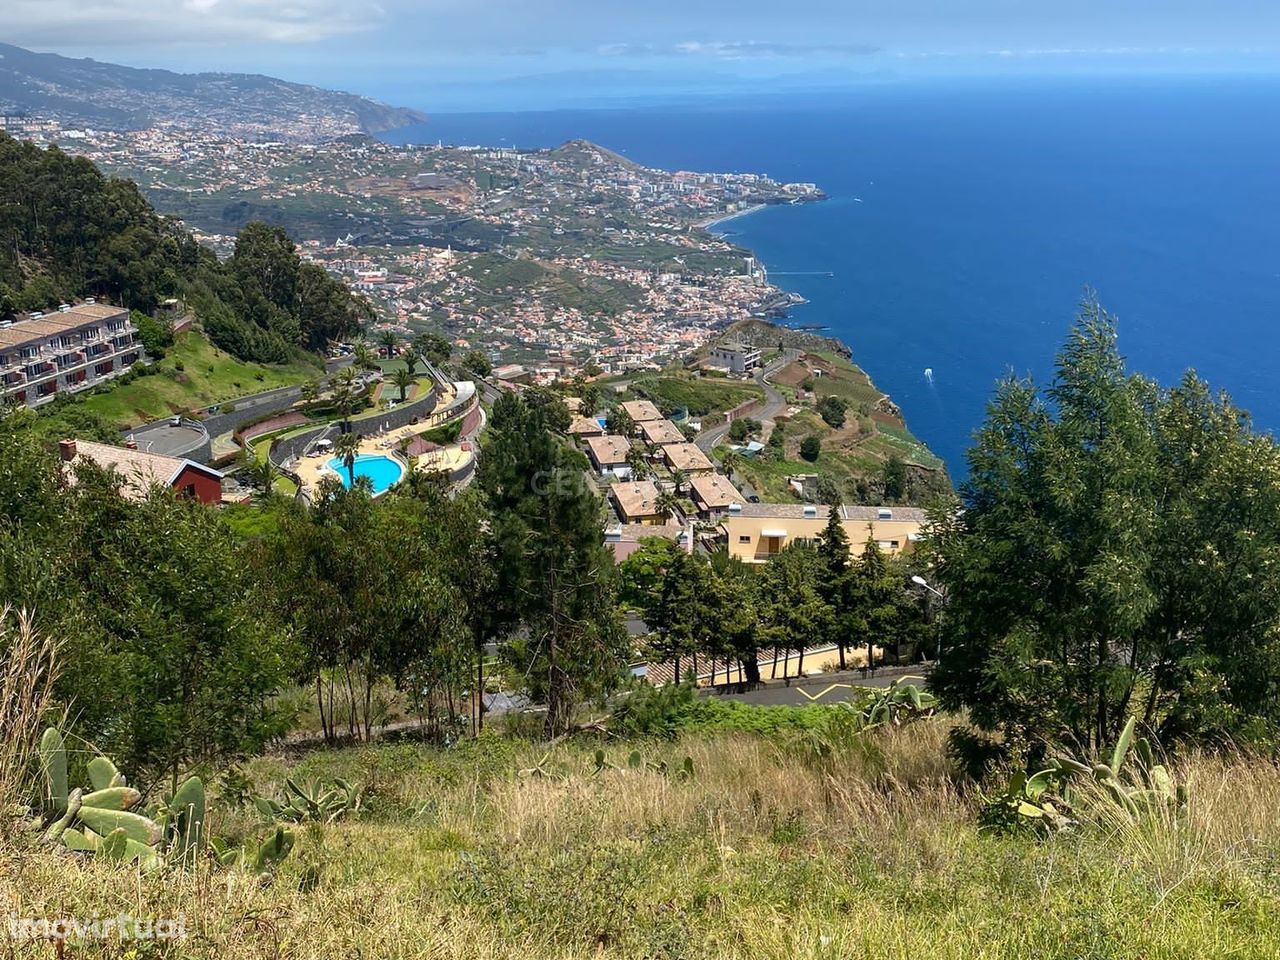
(1116, 557)
(772, 849)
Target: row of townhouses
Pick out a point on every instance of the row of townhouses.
(64, 351)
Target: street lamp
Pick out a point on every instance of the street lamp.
(920, 581)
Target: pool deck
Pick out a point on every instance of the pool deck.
(311, 469)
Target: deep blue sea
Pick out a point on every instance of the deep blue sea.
(966, 219)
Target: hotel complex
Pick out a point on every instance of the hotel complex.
(72, 349)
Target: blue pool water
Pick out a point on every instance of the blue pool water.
(383, 472)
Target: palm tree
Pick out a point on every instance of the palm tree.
(364, 358)
(261, 474)
(728, 460)
(666, 504)
(347, 448)
(639, 463)
(389, 341)
(679, 478)
(619, 422)
(344, 393)
(404, 380)
(309, 391)
(411, 362)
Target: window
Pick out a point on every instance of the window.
(745, 538)
(188, 492)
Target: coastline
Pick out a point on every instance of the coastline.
(710, 225)
(816, 339)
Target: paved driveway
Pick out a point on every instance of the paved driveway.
(774, 402)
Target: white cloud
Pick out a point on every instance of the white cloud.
(59, 24)
(736, 49)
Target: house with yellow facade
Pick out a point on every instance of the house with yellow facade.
(636, 502)
(757, 531)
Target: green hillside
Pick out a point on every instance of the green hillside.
(194, 374)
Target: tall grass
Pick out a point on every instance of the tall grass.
(28, 670)
(778, 847)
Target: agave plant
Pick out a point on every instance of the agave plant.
(1047, 798)
(311, 802)
(899, 703)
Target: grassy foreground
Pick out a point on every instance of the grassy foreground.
(773, 849)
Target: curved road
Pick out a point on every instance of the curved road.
(774, 402)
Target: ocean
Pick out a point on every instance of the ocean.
(966, 219)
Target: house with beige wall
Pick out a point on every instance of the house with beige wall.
(636, 502)
(609, 455)
(687, 457)
(640, 411)
(757, 531)
(713, 494)
(659, 432)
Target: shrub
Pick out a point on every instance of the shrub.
(832, 410)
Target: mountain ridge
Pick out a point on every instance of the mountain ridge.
(87, 92)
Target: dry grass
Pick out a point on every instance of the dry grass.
(28, 669)
(776, 849)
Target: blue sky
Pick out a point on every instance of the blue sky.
(459, 54)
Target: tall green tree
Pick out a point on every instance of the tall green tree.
(1115, 557)
(893, 479)
(835, 584)
(550, 559)
(433, 348)
(795, 614)
(733, 628)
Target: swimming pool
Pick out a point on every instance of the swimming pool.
(383, 472)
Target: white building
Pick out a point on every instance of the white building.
(735, 357)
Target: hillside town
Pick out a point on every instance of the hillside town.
(544, 258)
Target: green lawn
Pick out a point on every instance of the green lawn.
(193, 374)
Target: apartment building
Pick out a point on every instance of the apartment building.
(71, 349)
(757, 531)
(735, 357)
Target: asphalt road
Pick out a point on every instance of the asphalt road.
(823, 688)
(774, 402)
